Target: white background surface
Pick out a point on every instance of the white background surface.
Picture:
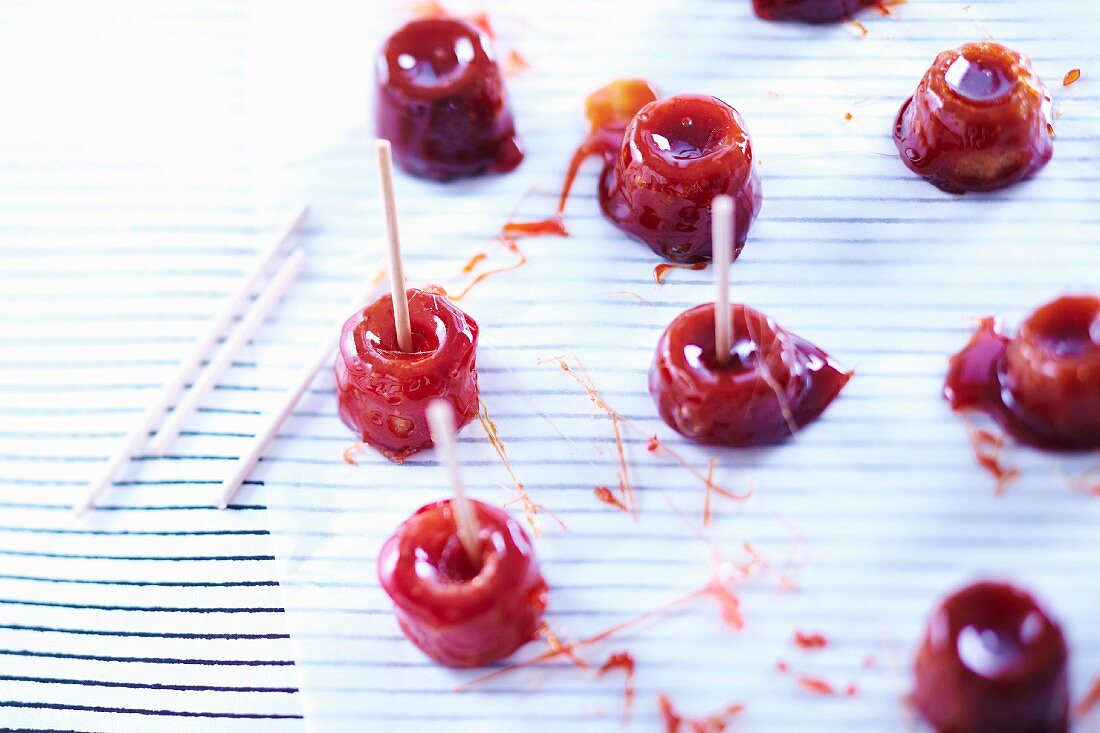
(144, 152)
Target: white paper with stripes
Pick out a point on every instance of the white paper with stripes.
(146, 151)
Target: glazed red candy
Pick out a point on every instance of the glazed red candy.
(459, 615)
(773, 384)
(992, 661)
(441, 101)
(677, 154)
(980, 120)
(664, 162)
(1043, 385)
(384, 392)
(810, 11)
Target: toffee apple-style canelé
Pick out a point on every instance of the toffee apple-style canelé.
(772, 384)
(980, 120)
(458, 614)
(664, 162)
(992, 661)
(1041, 385)
(384, 392)
(442, 103)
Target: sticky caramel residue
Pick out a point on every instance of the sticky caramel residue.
(1071, 77)
(987, 449)
(886, 7)
(661, 270)
(860, 28)
(351, 451)
(508, 243)
(530, 508)
(810, 640)
(1088, 482)
(515, 64)
(579, 373)
(719, 587)
(816, 685)
(622, 661)
(672, 721)
(1090, 701)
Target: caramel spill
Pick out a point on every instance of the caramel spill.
(674, 722)
(661, 270)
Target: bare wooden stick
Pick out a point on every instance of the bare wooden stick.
(220, 324)
(283, 279)
(323, 356)
(441, 420)
(722, 228)
(393, 241)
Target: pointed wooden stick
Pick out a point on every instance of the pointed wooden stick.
(139, 436)
(283, 279)
(321, 357)
(722, 228)
(441, 420)
(393, 241)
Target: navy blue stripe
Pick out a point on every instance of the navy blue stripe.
(143, 634)
(152, 660)
(149, 609)
(144, 686)
(142, 711)
(144, 583)
(141, 558)
(135, 533)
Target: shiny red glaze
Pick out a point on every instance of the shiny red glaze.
(1043, 386)
(458, 615)
(733, 404)
(810, 11)
(384, 392)
(980, 120)
(992, 661)
(677, 154)
(441, 101)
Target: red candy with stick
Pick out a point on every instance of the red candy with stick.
(1043, 385)
(403, 351)
(462, 575)
(728, 375)
(441, 101)
(992, 660)
(980, 120)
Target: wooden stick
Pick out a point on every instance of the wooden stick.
(393, 241)
(323, 356)
(218, 326)
(722, 227)
(441, 420)
(282, 281)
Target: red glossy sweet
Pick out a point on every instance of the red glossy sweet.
(441, 101)
(677, 154)
(384, 392)
(1043, 385)
(459, 615)
(810, 11)
(773, 384)
(992, 661)
(980, 120)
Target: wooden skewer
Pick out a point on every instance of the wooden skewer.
(441, 420)
(139, 436)
(283, 279)
(393, 241)
(248, 460)
(722, 228)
